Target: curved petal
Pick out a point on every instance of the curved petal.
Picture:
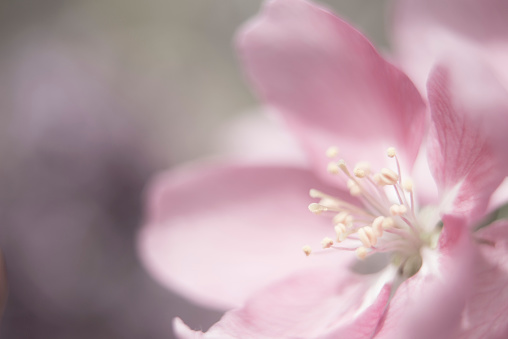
(310, 304)
(430, 304)
(215, 234)
(468, 134)
(487, 309)
(330, 84)
(425, 30)
(499, 198)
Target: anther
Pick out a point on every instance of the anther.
(307, 250)
(317, 208)
(388, 223)
(362, 169)
(407, 184)
(398, 210)
(342, 165)
(361, 253)
(332, 152)
(359, 173)
(388, 177)
(354, 189)
(341, 231)
(367, 237)
(377, 226)
(326, 242)
(342, 218)
(333, 168)
(391, 152)
(314, 193)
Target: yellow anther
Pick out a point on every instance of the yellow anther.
(391, 152)
(327, 242)
(367, 237)
(407, 184)
(359, 173)
(307, 250)
(332, 152)
(342, 165)
(388, 177)
(398, 210)
(388, 223)
(342, 218)
(355, 191)
(377, 226)
(315, 193)
(317, 208)
(341, 231)
(361, 253)
(333, 168)
(362, 169)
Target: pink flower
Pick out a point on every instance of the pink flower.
(226, 235)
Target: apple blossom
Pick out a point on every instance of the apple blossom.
(401, 256)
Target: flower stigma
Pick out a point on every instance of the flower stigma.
(386, 221)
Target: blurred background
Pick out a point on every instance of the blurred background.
(96, 97)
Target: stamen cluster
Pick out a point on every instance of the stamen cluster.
(387, 220)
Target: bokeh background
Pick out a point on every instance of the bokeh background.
(96, 97)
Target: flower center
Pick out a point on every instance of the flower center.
(388, 221)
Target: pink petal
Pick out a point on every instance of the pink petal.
(331, 85)
(425, 30)
(318, 303)
(468, 135)
(259, 136)
(487, 309)
(499, 198)
(217, 233)
(430, 304)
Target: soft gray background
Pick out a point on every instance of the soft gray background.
(95, 97)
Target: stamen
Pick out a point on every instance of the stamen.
(362, 169)
(317, 208)
(388, 223)
(342, 165)
(326, 242)
(332, 152)
(341, 231)
(398, 210)
(354, 188)
(361, 253)
(382, 224)
(342, 218)
(388, 177)
(377, 226)
(391, 152)
(333, 168)
(407, 184)
(367, 237)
